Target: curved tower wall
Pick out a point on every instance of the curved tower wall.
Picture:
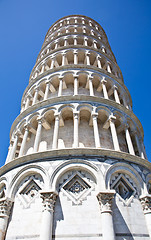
(76, 166)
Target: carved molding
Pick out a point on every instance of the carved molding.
(48, 200)
(5, 207)
(146, 203)
(105, 200)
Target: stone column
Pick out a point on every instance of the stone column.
(27, 102)
(103, 82)
(91, 86)
(60, 86)
(56, 45)
(90, 23)
(105, 201)
(48, 200)
(99, 61)
(75, 30)
(13, 150)
(86, 41)
(103, 49)
(75, 20)
(35, 95)
(94, 43)
(75, 85)
(43, 68)
(52, 62)
(114, 133)
(92, 32)
(38, 135)
(22, 106)
(116, 96)
(76, 130)
(56, 131)
(48, 50)
(139, 147)
(75, 41)
(23, 144)
(65, 42)
(84, 30)
(36, 73)
(63, 59)
(87, 58)
(129, 141)
(83, 21)
(75, 57)
(108, 67)
(9, 152)
(5, 209)
(146, 204)
(125, 101)
(47, 90)
(143, 148)
(96, 131)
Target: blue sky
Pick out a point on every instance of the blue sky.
(23, 25)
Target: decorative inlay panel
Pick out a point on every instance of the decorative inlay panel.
(124, 187)
(76, 186)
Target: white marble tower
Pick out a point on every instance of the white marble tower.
(76, 166)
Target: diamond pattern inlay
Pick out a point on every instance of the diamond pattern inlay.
(76, 187)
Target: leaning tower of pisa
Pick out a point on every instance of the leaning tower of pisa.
(76, 166)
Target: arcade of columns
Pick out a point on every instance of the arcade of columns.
(76, 100)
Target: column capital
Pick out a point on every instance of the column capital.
(146, 203)
(36, 88)
(105, 200)
(134, 132)
(26, 126)
(17, 133)
(37, 70)
(126, 126)
(29, 95)
(53, 57)
(48, 200)
(75, 76)
(103, 81)
(112, 118)
(40, 120)
(5, 207)
(94, 114)
(115, 87)
(61, 77)
(64, 53)
(87, 53)
(57, 115)
(47, 82)
(76, 114)
(98, 56)
(75, 52)
(90, 78)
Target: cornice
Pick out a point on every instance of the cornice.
(55, 51)
(80, 98)
(79, 46)
(68, 153)
(76, 67)
(78, 15)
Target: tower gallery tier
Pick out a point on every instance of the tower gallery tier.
(76, 166)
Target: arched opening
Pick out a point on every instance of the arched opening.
(104, 133)
(72, 209)
(86, 133)
(65, 138)
(68, 86)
